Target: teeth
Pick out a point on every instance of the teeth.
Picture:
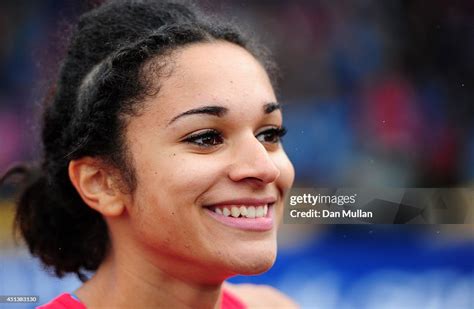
(243, 211)
(235, 212)
(251, 212)
(226, 212)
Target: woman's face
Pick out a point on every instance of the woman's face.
(208, 145)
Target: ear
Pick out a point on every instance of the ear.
(97, 186)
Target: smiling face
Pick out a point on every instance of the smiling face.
(208, 143)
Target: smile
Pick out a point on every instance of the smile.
(244, 217)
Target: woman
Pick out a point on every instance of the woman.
(163, 170)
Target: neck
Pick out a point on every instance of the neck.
(129, 280)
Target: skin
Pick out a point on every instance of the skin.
(166, 251)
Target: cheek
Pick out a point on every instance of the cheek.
(170, 186)
(166, 204)
(181, 174)
(187, 176)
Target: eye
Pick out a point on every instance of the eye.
(272, 135)
(208, 138)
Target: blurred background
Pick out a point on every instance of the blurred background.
(376, 93)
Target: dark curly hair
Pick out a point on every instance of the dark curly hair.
(103, 78)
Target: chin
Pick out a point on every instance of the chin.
(253, 261)
(256, 268)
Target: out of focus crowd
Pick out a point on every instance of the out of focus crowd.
(375, 93)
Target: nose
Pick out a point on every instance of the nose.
(253, 163)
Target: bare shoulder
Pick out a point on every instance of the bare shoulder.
(261, 296)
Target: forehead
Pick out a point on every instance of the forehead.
(216, 73)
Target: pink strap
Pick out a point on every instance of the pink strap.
(66, 301)
(63, 301)
(230, 301)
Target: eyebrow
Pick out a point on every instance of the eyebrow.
(271, 107)
(220, 111)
